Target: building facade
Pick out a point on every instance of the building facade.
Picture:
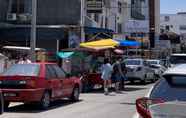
(173, 23)
(59, 23)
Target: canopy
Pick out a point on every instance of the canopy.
(65, 54)
(128, 43)
(109, 43)
(101, 44)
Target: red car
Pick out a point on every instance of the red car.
(38, 83)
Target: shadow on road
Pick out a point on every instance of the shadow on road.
(31, 108)
(138, 83)
(131, 88)
(127, 103)
(128, 88)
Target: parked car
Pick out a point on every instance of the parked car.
(38, 83)
(138, 69)
(168, 94)
(157, 66)
(176, 59)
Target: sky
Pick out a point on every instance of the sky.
(172, 6)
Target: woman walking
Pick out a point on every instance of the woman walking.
(106, 75)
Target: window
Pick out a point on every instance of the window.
(119, 28)
(23, 69)
(182, 27)
(170, 88)
(50, 72)
(133, 62)
(96, 17)
(60, 73)
(177, 59)
(17, 6)
(167, 28)
(119, 7)
(106, 22)
(20, 6)
(167, 18)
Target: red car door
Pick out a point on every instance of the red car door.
(53, 81)
(63, 80)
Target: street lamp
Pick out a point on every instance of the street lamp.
(33, 31)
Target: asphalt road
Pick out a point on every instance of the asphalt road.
(91, 105)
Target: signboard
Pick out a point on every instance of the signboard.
(94, 6)
(137, 26)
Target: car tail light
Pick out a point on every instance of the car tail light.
(142, 106)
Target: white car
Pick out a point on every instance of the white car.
(167, 98)
(137, 69)
(157, 66)
(176, 59)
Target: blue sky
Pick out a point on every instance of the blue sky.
(173, 6)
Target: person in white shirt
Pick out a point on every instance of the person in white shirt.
(24, 60)
(106, 74)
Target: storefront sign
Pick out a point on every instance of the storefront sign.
(94, 6)
(137, 26)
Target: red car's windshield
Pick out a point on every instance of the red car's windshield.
(23, 69)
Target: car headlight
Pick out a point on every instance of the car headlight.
(1, 82)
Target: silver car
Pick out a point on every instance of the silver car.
(167, 98)
(138, 69)
(157, 66)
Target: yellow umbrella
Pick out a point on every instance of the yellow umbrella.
(100, 44)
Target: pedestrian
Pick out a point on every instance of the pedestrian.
(21, 61)
(118, 74)
(124, 77)
(106, 75)
(24, 60)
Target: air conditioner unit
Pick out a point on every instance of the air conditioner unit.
(24, 17)
(12, 17)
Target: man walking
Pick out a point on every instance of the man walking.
(118, 75)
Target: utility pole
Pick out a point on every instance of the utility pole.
(82, 23)
(33, 31)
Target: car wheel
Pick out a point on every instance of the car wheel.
(75, 94)
(45, 101)
(6, 104)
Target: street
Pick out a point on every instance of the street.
(91, 105)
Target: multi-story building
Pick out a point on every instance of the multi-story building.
(173, 23)
(59, 23)
(144, 20)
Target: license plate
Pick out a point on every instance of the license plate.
(9, 94)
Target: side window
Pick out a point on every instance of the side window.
(60, 73)
(50, 72)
